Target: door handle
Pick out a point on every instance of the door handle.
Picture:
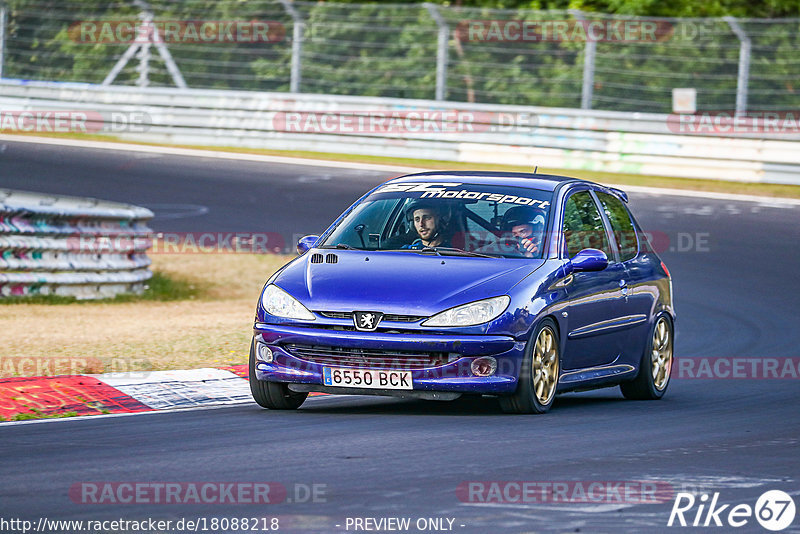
(564, 282)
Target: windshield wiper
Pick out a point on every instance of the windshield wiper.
(340, 246)
(442, 251)
(452, 251)
(461, 252)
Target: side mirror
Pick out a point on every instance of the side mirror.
(589, 259)
(306, 243)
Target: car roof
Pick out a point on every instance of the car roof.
(544, 182)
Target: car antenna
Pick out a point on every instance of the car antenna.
(535, 168)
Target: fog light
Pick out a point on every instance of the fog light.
(484, 366)
(264, 353)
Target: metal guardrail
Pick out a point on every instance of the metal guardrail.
(69, 246)
(638, 143)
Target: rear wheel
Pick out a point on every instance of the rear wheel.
(654, 371)
(272, 395)
(538, 377)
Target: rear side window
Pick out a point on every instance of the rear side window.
(583, 225)
(621, 225)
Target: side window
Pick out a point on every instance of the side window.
(583, 225)
(621, 225)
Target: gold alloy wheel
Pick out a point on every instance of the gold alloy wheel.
(661, 357)
(545, 365)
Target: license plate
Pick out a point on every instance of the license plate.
(366, 378)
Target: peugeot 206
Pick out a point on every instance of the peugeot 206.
(441, 284)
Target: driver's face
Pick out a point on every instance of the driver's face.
(426, 222)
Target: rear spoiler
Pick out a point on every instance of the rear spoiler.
(620, 193)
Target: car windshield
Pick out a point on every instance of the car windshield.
(447, 219)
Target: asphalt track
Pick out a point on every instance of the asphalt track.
(735, 295)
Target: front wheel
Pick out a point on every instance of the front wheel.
(538, 377)
(654, 371)
(272, 395)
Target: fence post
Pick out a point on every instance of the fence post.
(3, 18)
(589, 53)
(441, 50)
(144, 65)
(744, 65)
(297, 46)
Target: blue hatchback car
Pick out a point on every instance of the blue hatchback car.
(441, 284)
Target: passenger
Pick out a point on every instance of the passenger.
(526, 224)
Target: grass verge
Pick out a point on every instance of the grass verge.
(695, 184)
(160, 288)
(37, 414)
(199, 313)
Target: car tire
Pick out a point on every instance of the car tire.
(654, 369)
(272, 395)
(539, 373)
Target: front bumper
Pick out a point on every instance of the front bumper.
(452, 375)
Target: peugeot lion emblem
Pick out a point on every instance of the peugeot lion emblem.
(366, 320)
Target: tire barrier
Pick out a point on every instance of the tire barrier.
(69, 246)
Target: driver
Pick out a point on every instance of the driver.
(430, 224)
(526, 224)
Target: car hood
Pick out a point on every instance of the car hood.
(398, 282)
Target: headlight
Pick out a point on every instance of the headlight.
(279, 303)
(471, 314)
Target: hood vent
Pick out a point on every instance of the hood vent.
(331, 258)
(317, 258)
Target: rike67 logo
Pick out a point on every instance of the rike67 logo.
(774, 510)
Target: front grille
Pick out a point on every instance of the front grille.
(403, 318)
(350, 328)
(373, 358)
(336, 315)
(388, 317)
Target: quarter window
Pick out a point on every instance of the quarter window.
(583, 225)
(621, 225)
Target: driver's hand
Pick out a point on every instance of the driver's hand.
(528, 246)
